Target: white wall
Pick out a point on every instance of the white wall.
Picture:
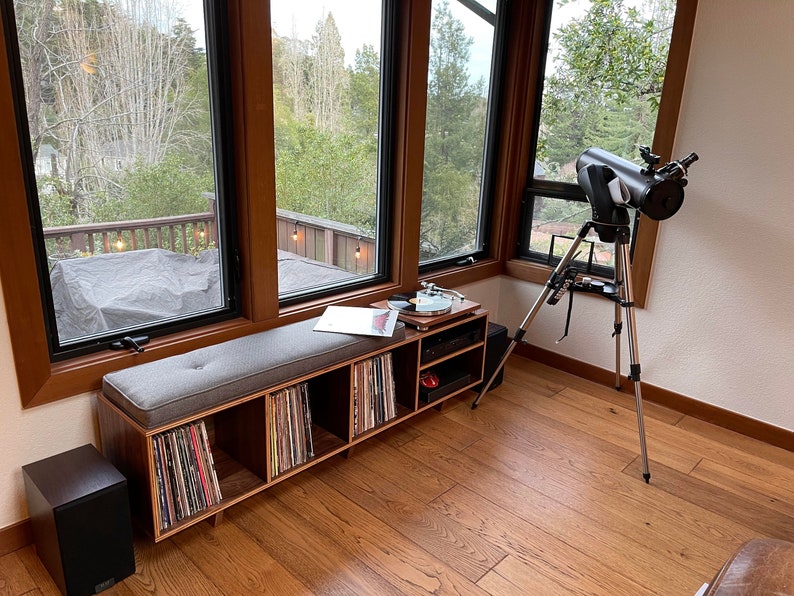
(717, 327)
(30, 435)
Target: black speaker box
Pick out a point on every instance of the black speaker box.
(494, 349)
(80, 512)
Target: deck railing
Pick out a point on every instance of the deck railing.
(311, 237)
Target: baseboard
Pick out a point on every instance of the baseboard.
(756, 429)
(15, 536)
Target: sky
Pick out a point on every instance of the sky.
(358, 23)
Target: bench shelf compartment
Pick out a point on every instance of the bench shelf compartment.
(240, 433)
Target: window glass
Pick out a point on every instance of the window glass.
(602, 86)
(327, 80)
(458, 90)
(556, 222)
(117, 99)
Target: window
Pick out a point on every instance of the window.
(459, 129)
(330, 65)
(602, 87)
(123, 124)
(246, 203)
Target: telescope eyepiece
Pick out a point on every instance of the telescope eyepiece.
(689, 159)
(676, 170)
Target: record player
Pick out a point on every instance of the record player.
(428, 307)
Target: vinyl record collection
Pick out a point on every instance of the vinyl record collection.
(291, 441)
(374, 397)
(186, 478)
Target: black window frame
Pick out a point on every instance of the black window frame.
(500, 22)
(385, 179)
(218, 66)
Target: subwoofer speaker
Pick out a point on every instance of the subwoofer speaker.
(494, 350)
(80, 512)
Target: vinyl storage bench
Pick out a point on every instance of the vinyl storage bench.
(198, 432)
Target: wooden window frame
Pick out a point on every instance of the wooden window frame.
(42, 381)
(664, 137)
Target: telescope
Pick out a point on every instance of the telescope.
(611, 182)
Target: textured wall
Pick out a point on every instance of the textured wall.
(30, 435)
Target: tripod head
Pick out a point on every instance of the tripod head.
(612, 184)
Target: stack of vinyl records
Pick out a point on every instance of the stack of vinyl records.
(186, 479)
(291, 440)
(374, 397)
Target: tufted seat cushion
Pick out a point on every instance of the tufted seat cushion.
(760, 567)
(161, 392)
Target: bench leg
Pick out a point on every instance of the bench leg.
(215, 520)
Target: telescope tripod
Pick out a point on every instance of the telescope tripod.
(619, 291)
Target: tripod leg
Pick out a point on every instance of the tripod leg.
(628, 303)
(618, 326)
(519, 334)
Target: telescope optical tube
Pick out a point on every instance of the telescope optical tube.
(659, 194)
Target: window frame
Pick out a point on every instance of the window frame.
(217, 70)
(384, 182)
(40, 381)
(491, 141)
(646, 232)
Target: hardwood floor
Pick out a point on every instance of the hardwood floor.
(538, 491)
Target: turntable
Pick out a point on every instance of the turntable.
(429, 306)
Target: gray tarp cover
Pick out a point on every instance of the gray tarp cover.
(121, 290)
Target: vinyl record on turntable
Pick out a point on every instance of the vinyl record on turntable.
(419, 304)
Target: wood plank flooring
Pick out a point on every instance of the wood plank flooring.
(538, 491)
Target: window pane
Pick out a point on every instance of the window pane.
(459, 72)
(555, 223)
(327, 80)
(118, 109)
(604, 73)
(602, 87)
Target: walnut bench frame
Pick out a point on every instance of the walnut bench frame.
(227, 385)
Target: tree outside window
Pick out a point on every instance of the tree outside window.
(327, 75)
(602, 87)
(458, 88)
(124, 154)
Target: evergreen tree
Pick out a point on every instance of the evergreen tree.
(329, 77)
(453, 141)
(365, 92)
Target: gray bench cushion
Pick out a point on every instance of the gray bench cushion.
(170, 389)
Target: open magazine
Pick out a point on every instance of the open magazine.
(358, 321)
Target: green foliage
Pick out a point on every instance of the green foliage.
(365, 91)
(55, 205)
(328, 175)
(326, 125)
(448, 212)
(607, 82)
(454, 134)
(164, 189)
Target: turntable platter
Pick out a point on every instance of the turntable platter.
(419, 304)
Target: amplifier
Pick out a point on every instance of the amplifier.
(446, 342)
